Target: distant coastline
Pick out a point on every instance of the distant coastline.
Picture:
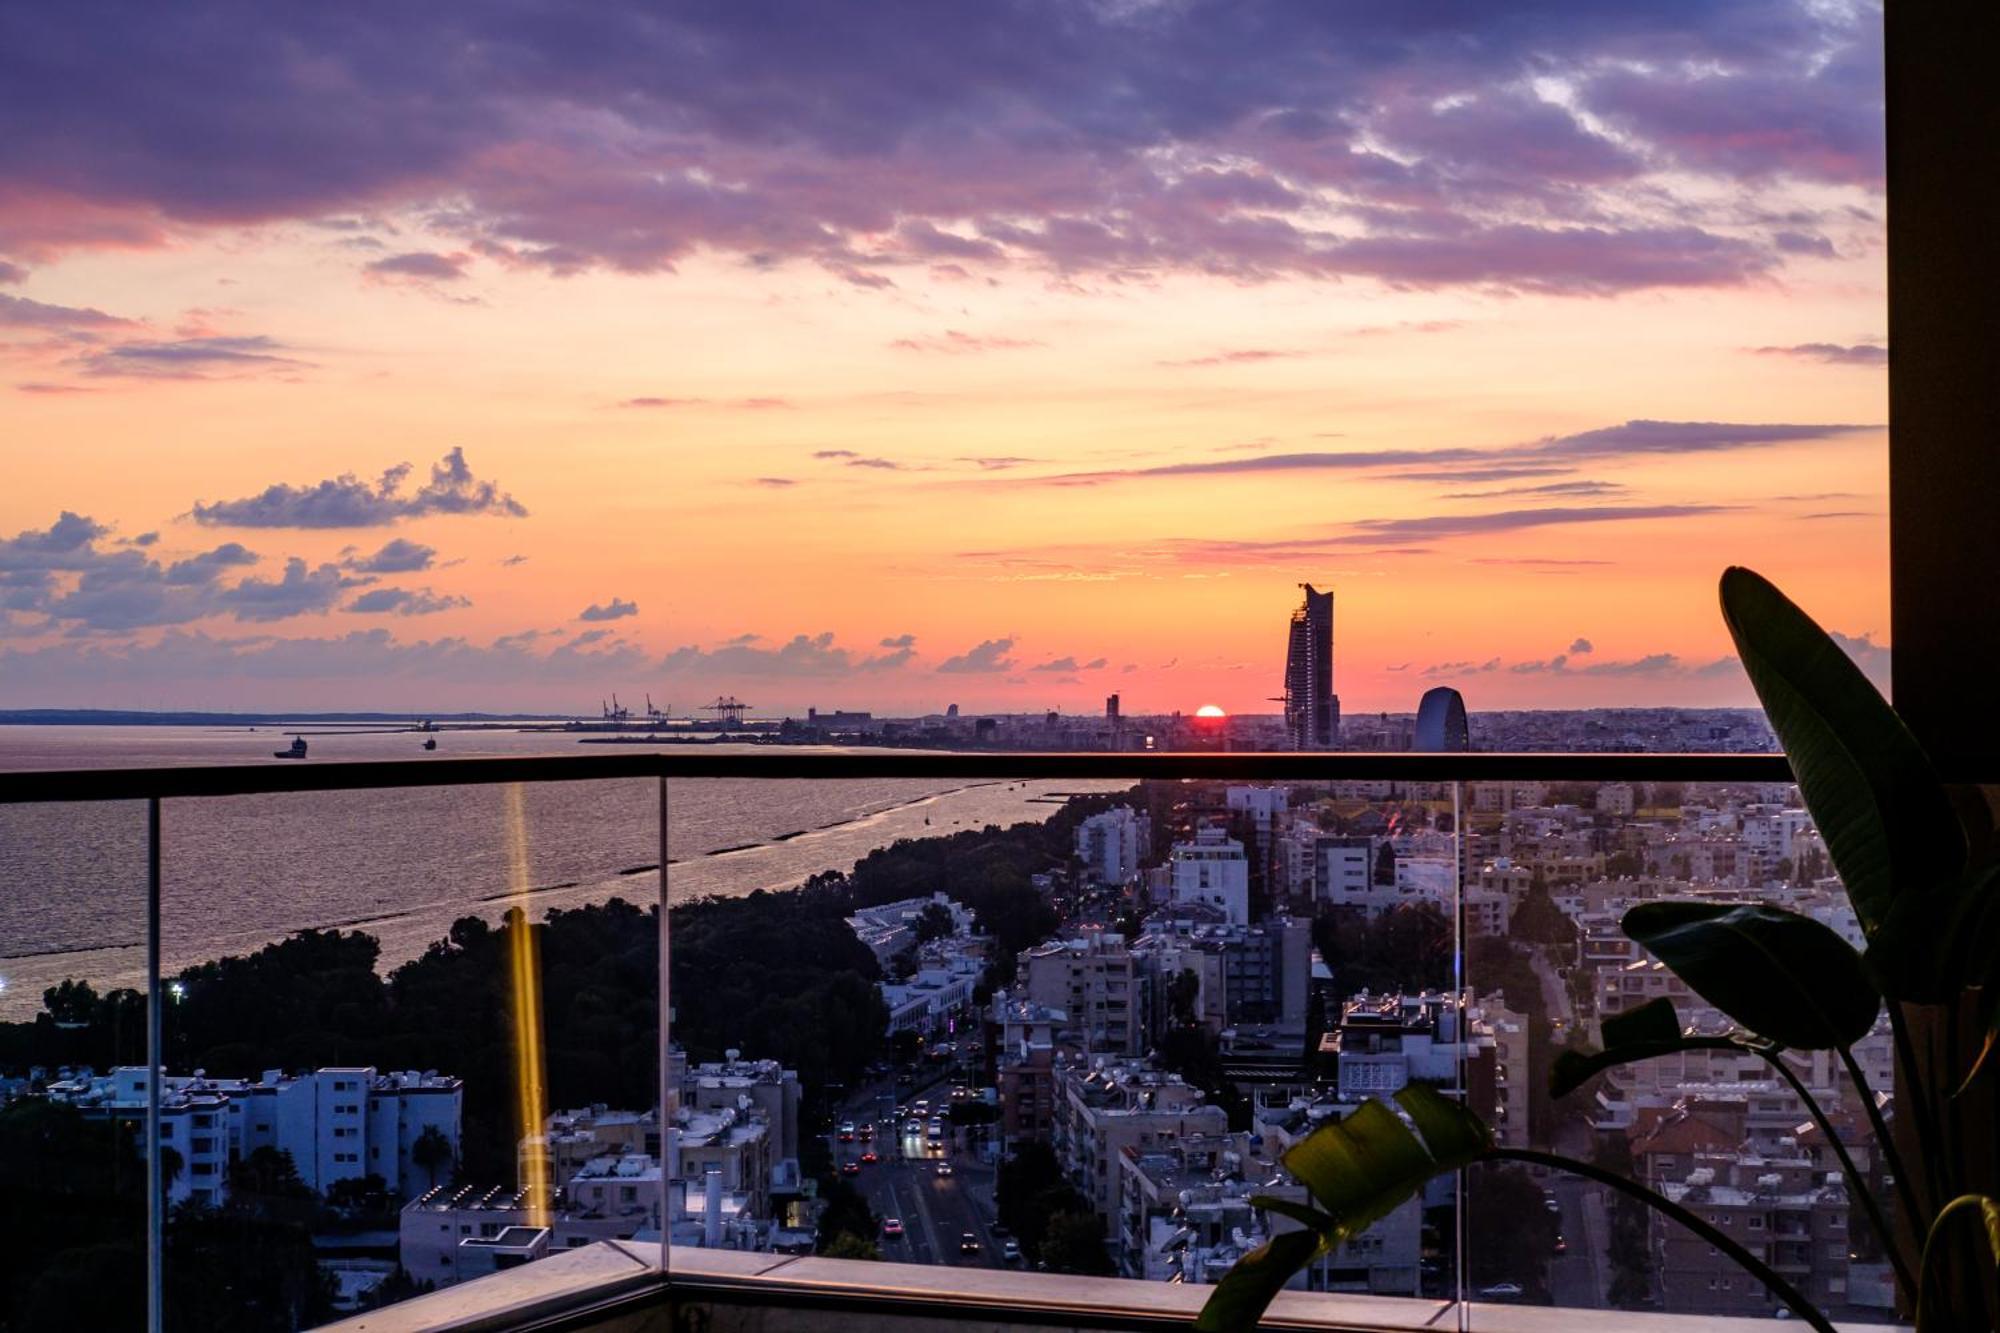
(118, 717)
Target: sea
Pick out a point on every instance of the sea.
(239, 872)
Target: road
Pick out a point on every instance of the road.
(1578, 1278)
(903, 1183)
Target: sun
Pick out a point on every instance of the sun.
(1209, 710)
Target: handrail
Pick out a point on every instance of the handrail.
(784, 762)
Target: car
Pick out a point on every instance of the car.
(944, 1168)
(868, 1130)
(968, 1243)
(892, 1227)
(869, 1158)
(1011, 1251)
(850, 1168)
(920, 1106)
(1550, 1202)
(1501, 1291)
(847, 1131)
(1562, 1246)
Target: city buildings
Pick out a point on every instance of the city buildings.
(338, 1124)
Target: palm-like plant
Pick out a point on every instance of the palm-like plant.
(1926, 893)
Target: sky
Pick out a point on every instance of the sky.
(887, 355)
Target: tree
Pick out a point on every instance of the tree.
(1539, 921)
(431, 1151)
(1514, 1234)
(847, 1245)
(934, 923)
(1073, 1242)
(1182, 992)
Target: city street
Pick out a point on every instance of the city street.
(903, 1183)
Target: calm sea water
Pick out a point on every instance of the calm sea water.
(239, 872)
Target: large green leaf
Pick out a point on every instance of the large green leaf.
(1888, 824)
(1360, 1170)
(1248, 1289)
(1638, 1034)
(1785, 977)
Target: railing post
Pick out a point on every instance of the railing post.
(1460, 1225)
(666, 1012)
(156, 1200)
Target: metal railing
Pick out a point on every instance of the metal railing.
(153, 785)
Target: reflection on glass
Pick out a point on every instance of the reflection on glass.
(72, 1067)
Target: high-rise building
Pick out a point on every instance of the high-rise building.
(1312, 710)
(1441, 722)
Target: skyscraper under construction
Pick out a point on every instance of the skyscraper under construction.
(1312, 710)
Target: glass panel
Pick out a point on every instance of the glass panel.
(382, 1082)
(73, 1065)
(834, 1072)
(1717, 1131)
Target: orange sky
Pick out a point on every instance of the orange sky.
(949, 465)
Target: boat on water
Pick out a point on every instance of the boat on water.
(298, 750)
(430, 743)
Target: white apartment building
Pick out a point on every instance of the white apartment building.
(1213, 870)
(1111, 845)
(337, 1123)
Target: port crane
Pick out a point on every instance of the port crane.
(614, 712)
(728, 709)
(654, 714)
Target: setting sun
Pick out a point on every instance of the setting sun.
(1209, 710)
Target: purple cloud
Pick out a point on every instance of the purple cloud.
(615, 609)
(1833, 354)
(348, 502)
(986, 657)
(1388, 142)
(421, 265)
(405, 602)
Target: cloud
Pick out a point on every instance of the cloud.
(1437, 526)
(405, 602)
(615, 609)
(508, 562)
(12, 273)
(662, 402)
(776, 483)
(804, 656)
(834, 453)
(20, 312)
(348, 502)
(900, 641)
(1071, 665)
(190, 358)
(421, 265)
(994, 462)
(365, 661)
(1547, 488)
(299, 591)
(1832, 354)
(1582, 645)
(987, 656)
(1637, 438)
(398, 555)
(1400, 144)
(1242, 356)
(1467, 668)
(953, 342)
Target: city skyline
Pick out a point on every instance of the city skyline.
(884, 360)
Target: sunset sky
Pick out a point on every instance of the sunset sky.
(502, 355)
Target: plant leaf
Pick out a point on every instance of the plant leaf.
(1785, 977)
(1453, 1135)
(1989, 1217)
(1637, 1034)
(1362, 1168)
(1247, 1290)
(1653, 1021)
(1889, 826)
(1310, 1218)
